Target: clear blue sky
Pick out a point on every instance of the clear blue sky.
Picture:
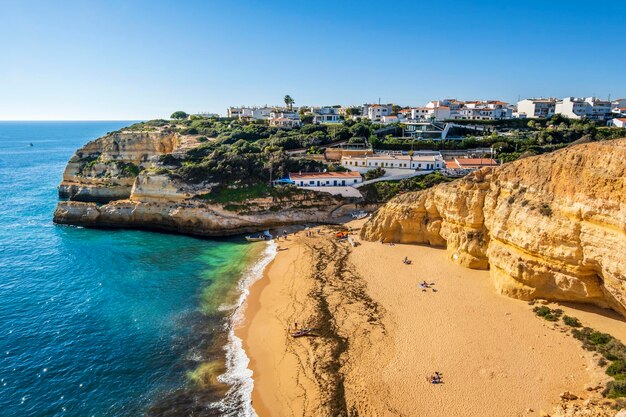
(145, 59)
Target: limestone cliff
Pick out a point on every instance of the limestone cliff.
(105, 169)
(120, 180)
(551, 226)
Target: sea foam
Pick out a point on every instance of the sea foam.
(238, 400)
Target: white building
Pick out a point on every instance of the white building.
(255, 113)
(484, 110)
(452, 103)
(533, 108)
(207, 114)
(325, 179)
(581, 108)
(390, 119)
(375, 112)
(427, 114)
(287, 119)
(618, 107)
(326, 115)
(389, 161)
(618, 122)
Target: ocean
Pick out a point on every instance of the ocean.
(110, 322)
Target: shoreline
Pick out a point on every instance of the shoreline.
(382, 324)
(238, 376)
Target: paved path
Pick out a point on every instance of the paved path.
(394, 177)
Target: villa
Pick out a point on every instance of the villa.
(325, 115)
(325, 179)
(375, 112)
(288, 119)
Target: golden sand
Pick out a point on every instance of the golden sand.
(379, 336)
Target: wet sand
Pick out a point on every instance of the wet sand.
(378, 337)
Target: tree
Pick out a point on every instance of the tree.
(289, 101)
(306, 119)
(353, 111)
(179, 115)
(360, 129)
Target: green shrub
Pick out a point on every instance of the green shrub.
(615, 389)
(598, 338)
(374, 173)
(617, 369)
(547, 313)
(382, 191)
(571, 321)
(128, 169)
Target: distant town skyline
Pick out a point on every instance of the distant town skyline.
(142, 60)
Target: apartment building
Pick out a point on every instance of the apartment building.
(580, 108)
(533, 108)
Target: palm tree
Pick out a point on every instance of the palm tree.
(289, 101)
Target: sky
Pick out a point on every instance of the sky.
(136, 60)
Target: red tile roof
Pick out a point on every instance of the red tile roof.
(476, 162)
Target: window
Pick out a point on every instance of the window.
(311, 182)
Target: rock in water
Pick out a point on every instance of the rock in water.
(551, 226)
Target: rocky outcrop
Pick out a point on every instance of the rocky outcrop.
(120, 180)
(105, 169)
(551, 226)
(197, 217)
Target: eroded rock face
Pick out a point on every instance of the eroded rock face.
(105, 169)
(196, 217)
(551, 226)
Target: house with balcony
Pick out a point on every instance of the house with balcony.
(533, 108)
(326, 115)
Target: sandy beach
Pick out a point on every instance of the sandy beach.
(379, 336)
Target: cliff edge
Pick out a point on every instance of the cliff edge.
(551, 226)
(130, 179)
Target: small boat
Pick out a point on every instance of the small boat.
(359, 214)
(302, 332)
(262, 237)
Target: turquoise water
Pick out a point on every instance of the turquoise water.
(99, 322)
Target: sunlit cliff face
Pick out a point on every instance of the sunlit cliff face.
(551, 226)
